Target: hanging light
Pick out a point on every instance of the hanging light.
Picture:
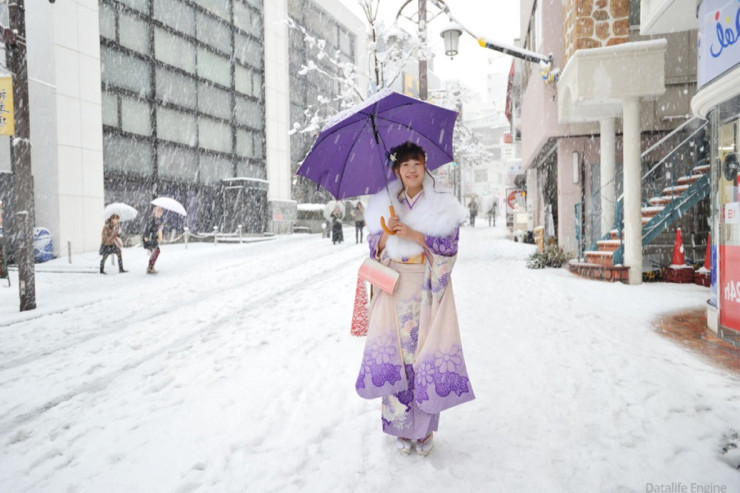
(451, 35)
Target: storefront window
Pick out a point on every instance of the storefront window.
(728, 208)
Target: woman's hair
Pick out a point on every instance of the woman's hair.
(408, 150)
(404, 152)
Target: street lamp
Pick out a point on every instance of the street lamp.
(451, 35)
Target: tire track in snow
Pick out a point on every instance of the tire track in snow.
(257, 303)
(257, 278)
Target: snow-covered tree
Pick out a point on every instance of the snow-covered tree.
(390, 50)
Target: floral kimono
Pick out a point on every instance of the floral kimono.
(413, 355)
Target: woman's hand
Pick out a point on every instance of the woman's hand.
(404, 231)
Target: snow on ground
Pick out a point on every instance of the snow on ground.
(234, 370)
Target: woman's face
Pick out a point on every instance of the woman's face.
(411, 172)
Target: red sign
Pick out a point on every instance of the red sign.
(729, 288)
(511, 199)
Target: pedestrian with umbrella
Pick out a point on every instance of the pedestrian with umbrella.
(110, 242)
(413, 356)
(153, 232)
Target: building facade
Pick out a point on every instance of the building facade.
(619, 92)
(132, 99)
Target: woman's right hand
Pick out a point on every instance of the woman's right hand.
(393, 222)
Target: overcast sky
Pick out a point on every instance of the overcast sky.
(497, 20)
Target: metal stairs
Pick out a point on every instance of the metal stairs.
(671, 199)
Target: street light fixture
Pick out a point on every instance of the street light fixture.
(451, 35)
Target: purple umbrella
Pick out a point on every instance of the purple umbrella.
(350, 155)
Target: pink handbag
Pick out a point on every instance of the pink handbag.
(378, 275)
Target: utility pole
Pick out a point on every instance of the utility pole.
(20, 151)
(423, 91)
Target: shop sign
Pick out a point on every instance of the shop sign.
(732, 213)
(718, 42)
(7, 118)
(729, 314)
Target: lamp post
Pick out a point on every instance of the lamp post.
(16, 50)
(421, 23)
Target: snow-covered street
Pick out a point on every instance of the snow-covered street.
(234, 370)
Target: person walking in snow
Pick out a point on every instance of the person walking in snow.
(492, 213)
(473, 207)
(359, 221)
(110, 243)
(151, 238)
(413, 356)
(337, 234)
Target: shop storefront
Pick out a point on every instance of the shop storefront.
(718, 100)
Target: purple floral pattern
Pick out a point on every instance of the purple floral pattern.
(372, 241)
(441, 376)
(378, 362)
(443, 245)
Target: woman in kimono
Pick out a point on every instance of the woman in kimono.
(413, 356)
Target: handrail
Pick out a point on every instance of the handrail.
(676, 148)
(671, 134)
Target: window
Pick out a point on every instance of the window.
(251, 170)
(174, 50)
(135, 117)
(243, 80)
(215, 168)
(213, 33)
(107, 22)
(247, 51)
(110, 109)
(214, 67)
(125, 71)
(214, 135)
(214, 101)
(140, 5)
(176, 126)
(134, 33)
(176, 15)
(244, 143)
(243, 17)
(174, 88)
(127, 154)
(249, 113)
(177, 162)
(217, 7)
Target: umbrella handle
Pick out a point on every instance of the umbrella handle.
(382, 221)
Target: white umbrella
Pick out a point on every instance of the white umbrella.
(329, 208)
(124, 211)
(170, 204)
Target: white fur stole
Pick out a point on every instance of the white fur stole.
(436, 213)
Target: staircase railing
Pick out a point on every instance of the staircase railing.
(691, 150)
(676, 154)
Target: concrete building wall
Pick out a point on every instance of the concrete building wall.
(66, 125)
(539, 119)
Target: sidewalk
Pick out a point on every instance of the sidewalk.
(690, 329)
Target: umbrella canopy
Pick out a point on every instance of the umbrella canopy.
(124, 211)
(170, 204)
(350, 155)
(329, 208)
